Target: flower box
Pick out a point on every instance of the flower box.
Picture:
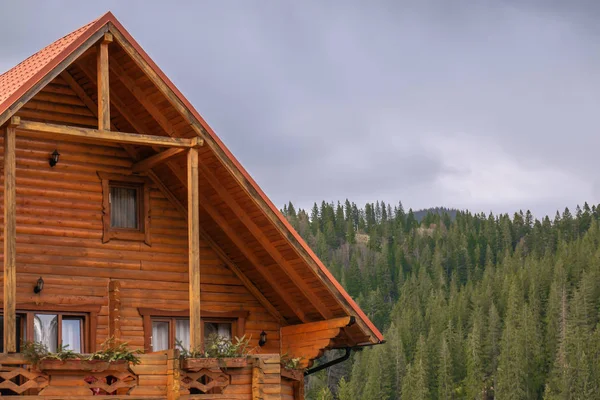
(197, 364)
(83, 365)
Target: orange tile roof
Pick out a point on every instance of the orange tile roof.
(18, 80)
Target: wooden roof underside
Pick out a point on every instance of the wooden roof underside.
(232, 212)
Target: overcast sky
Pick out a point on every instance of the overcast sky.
(485, 105)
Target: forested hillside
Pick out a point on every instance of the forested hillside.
(472, 307)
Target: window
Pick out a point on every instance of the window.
(164, 328)
(166, 332)
(53, 328)
(222, 329)
(125, 207)
(21, 331)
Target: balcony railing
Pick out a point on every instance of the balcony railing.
(159, 375)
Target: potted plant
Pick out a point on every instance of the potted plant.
(291, 367)
(112, 356)
(219, 352)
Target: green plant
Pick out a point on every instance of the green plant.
(112, 350)
(291, 362)
(34, 352)
(63, 353)
(216, 346)
(195, 352)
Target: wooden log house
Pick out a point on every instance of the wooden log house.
(125, 216)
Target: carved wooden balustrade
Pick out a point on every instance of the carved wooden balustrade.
(160, 375)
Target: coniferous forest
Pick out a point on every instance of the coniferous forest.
(472, 306)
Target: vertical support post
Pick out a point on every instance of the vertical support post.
(194, 248)
(114, 310)
(103, 86)
(173, 375)
(10, 238)
(257, 380)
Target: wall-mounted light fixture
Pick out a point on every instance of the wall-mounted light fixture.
(54, 158)
(263, 339)
(39, 286)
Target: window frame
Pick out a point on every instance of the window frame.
(142, 185)
(88, 314)
(237, 319)
(172, 328)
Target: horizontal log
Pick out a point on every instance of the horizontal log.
(108, 136)
(317, 326)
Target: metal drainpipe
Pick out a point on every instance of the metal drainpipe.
(330, 363)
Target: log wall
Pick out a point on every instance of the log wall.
(59, 237)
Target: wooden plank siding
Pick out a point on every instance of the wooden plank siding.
(59, 231)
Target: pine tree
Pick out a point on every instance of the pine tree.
(474, 383)
(445, 372)
(415, 385)
(345, 390)
(512, 364)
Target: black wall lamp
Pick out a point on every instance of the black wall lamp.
(54, 158)
(39, 286)
(263, 339)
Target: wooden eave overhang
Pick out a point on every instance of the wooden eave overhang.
(237, 218)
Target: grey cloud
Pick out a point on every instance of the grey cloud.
(379, 100)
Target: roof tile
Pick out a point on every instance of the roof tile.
(14, 78)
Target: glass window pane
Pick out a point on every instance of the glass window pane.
(71, 333)
(222, 329)
(45, 330)
(182, 332)
(210, 329)
(160, 335)
(20, 332)
(123, 207)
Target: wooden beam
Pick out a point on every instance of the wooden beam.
(109, 136)
(10, 238)
(334, 323)
(194, 248)
(285, 265)
(158, 82)
(143, 99)
(115, 101)
(215, 247)
(241, 244)
(258, 264)
(83, 96)
(156, 159)
(91, 105)
(103, 84)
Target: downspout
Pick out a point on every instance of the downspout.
(337, 360)
(329, 363)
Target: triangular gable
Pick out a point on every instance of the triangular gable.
(22, 82)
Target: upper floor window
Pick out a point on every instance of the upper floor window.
(125, 207)
(52, 329)
(163, 329)
(124, 201)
